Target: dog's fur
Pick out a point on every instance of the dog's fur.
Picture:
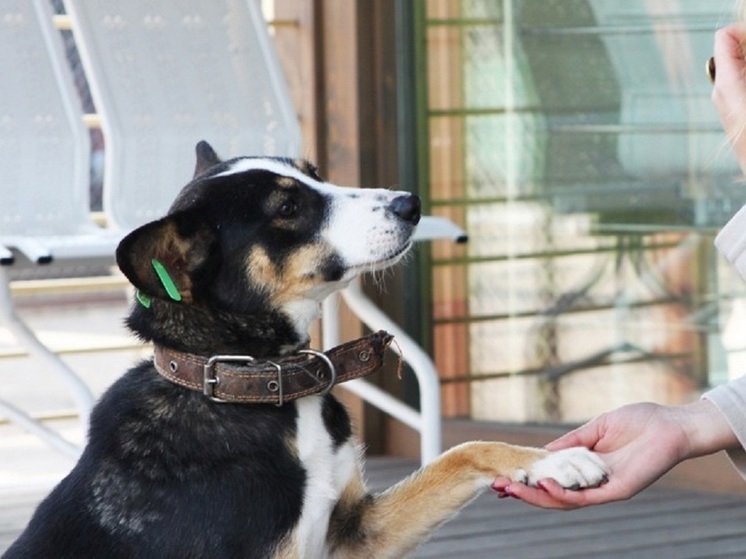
(254, 245)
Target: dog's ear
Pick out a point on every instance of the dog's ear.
(206, 157)
(166, 258)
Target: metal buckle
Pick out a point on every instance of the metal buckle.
(329, 365)
(210, 380)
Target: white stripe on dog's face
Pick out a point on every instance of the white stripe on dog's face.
(360, 226)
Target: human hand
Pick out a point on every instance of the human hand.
(638, 443)
(729, 90)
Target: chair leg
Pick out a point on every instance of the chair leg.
(84, 399)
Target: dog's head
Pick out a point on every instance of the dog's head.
(256, 235)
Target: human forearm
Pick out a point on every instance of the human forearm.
(706, 428)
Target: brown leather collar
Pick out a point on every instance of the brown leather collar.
(243, 379)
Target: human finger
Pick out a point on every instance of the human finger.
(540, 497)
(551, 495)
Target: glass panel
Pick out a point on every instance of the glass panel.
(576, 143)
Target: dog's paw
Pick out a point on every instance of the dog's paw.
(572, 468)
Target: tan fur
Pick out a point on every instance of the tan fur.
(293, 280)
(176, 253)
(285, 182)
(395, 522)
(287, 549)
(173, 252)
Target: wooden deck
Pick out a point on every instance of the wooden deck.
(660, 524)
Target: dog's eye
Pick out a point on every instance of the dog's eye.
(288, 208)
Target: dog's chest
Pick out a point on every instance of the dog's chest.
(328, 470)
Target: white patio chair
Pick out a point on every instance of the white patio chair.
(44, 185)
(167, 74)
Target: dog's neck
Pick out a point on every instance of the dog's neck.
(203, 331)
(301, 313)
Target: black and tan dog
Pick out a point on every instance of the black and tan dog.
(200, 453)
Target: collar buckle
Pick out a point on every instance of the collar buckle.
(210, 379)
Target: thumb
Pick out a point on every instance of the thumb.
(587, 435)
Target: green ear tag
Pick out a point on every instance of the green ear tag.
(168, 283)
(143, 299)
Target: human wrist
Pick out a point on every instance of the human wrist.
(705, 428)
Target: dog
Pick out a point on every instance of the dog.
(228, 443)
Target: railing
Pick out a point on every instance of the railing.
(426, 421)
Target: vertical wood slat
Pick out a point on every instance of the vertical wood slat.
(445, 89)
(299, 54)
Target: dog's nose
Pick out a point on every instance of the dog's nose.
(407, 207)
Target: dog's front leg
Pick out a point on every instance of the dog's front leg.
(392, 524)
